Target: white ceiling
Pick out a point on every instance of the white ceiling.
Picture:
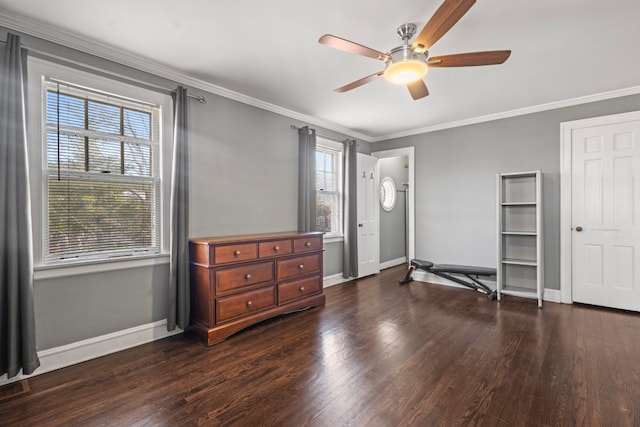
(267, 53)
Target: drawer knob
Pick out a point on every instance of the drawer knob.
(301, 266)
(276, 248)
(247, 276)
(301, 288)
(237, 253)
(249, 304)
(307, 244)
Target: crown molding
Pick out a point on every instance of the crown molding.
(93, 47)
(513, 113)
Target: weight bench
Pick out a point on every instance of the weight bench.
(446, 271)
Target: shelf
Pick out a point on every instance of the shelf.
(520, 229)
(519, 217)
(523, 262)
(519, 204)
(518, 188)
(518, 276)
(520, 292)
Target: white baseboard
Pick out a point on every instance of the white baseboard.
(81, 351)
(393, 263)
(551, 295)
(334, 279)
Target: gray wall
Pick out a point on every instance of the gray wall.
(392, 223)
(243, 177)
(74, 308)
(333, 258)
(456, 181)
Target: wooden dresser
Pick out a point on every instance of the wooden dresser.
(237, 281)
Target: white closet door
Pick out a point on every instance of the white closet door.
(605, 209)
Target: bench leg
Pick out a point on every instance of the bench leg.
(409, 276)
(476, 285)
(490, 293)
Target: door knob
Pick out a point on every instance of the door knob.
(578, 228)
(360, 225)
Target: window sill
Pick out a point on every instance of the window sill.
(333, 239)
(42, 272)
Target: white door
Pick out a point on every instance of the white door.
(368, 216)
(605, 207)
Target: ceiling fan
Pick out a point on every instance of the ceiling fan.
(408, 64)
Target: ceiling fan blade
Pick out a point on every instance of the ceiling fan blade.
(445, 17)
(360, 82)
(490, 57)
(418, 89)
(352, 47)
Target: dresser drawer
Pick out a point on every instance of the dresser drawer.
(231, 279)
(293, 290)
(298, 266)
(231, 307)
(233, 253)
(275, 248)
(307, 244)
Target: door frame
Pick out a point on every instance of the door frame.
(410, 153)
(566, 132)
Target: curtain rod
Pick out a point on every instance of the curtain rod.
(332, 138)
(45, 55)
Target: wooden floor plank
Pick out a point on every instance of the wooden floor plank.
(14, 389)
(378, 354)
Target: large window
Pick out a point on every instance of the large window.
(101, 174)
(328, 188)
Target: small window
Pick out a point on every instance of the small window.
(328, 190)
(388, 193)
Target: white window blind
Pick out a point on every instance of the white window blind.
(328, 195)
(102, 174)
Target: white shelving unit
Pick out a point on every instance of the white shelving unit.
(520, 254)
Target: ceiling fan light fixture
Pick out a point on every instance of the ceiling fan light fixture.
(405, 66)
(408, 64)
(407, 71)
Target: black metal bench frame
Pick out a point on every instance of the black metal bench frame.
(447, 270)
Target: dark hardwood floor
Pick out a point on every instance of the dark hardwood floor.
(378, 354)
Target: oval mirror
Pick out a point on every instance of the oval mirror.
(387, 193)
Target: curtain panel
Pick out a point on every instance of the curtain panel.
(17, 314)
(306, 179)
(179, 229)
(349, 210)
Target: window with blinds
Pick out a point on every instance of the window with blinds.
(328, 194)
(102, 174)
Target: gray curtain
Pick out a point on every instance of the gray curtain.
(350, 213)
(17, 316)
(306, 179)
(179, 276)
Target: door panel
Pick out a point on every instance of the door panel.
(605, 207)
(368, 216)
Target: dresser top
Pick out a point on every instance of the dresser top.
(253, 237)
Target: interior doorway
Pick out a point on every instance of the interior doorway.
(406, 191)
(601, 203)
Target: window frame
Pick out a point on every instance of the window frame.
(39, 71)
(88, 174)
(336, 148)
